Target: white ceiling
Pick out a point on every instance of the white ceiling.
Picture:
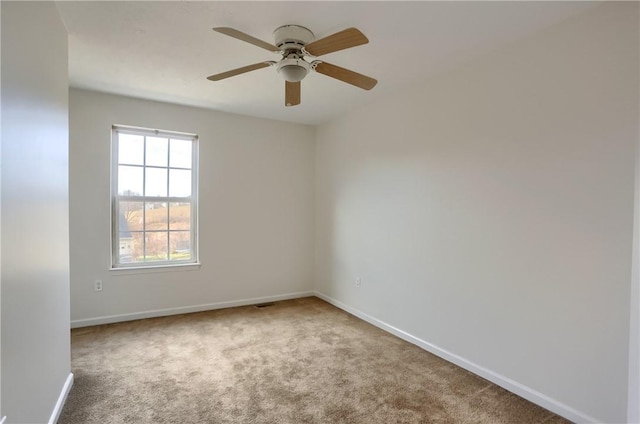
(165, 50)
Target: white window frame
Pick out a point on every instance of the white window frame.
(116, 198)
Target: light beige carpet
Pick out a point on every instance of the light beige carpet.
(297, 361)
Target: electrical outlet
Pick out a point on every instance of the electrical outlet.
(358, 282)
(98, 285)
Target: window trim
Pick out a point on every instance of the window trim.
(114, 198)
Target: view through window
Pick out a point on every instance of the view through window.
(154, 193)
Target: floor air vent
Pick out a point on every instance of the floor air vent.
(264, 305)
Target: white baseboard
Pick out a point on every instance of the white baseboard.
(502, 381)
(185, 310)
(61, 399)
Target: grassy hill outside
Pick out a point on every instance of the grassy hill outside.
(164, 227)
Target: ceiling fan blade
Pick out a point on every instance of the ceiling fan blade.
(350, 37)
(234, 72)
(247, 38)
(345, 75)
(291, 93)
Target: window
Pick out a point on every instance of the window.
(154, 197)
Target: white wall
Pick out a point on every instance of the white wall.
(2, 417)
(35, 220)
(256, 211)
(489, 212)
(633, 407)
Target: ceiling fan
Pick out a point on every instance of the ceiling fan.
(294, 43)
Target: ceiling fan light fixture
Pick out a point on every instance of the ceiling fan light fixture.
(293, 70)
(293, 73)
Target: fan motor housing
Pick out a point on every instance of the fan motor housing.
(292, 37)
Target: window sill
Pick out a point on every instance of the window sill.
(153, 269)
